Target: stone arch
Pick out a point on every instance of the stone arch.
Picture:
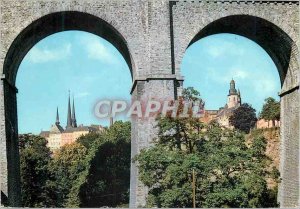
(58, 22)
(28, 37)
(284, 53)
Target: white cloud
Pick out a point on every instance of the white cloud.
(215, 51)
(240, 74)
(265, 85)
(82, 94)
(224, 48)
(226, 75)
(96, 50)
(42, 55)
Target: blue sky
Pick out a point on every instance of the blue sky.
(89, 66)
(211, 63)
(92, 69)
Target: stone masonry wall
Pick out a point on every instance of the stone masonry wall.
(289, 158)
(143, 131)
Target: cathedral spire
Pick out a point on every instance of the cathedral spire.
(57, 117)
(74, 123)
(69, 119)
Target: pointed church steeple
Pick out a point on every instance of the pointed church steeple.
(69, 117)
(74, 122)
(57, 117)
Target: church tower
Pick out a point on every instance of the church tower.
(56, 128)
(57, 117)
(234, 96)
(69, 117)
(74, 122)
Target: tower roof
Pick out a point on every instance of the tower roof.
(74, 122)
(69, 116)
(57, 117)
(55, 129)
(232, 90)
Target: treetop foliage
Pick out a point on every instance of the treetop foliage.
(243, 118)
(270, 110)
(88, 173)
(229, 172)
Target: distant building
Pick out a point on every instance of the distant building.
(262, 123)
(233, 102)
(208, 116)
(58, 137)
(222, 115)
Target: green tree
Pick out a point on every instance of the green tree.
(270, 110)
(107, 183)
(35, 157)
(69, 168)
(92, 172)
(191, 94)
(243, 118)
(229, 172)
(89, 139)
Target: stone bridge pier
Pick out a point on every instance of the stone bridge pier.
(152, 36)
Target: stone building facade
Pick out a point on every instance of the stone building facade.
(152, 36)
